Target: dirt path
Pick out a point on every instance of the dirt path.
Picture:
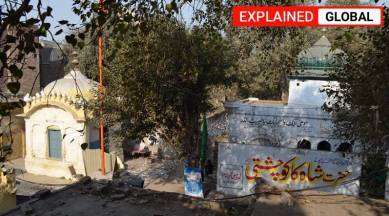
(103, 199)
(323, 205)
(87, 200)
(166, 176)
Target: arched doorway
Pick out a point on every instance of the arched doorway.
(324, 146)
(304, 144)
(345, 147)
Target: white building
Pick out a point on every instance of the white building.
(254, 127)
(300, 118)
(57, 125)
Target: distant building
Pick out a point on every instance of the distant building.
(51, 63)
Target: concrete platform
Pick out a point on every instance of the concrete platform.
(22, 175)
(43, 180)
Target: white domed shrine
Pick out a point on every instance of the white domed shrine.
(57, 124)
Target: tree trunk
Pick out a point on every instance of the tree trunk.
(191, 132)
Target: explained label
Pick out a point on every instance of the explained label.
(312, 16)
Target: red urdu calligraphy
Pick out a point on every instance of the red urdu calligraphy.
(284, 171)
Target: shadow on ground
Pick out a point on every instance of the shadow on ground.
(106, 198)
(103, 198)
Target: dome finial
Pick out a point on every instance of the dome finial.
(75, 62)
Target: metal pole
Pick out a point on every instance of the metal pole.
(100, 65)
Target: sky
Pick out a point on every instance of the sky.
(62, 9)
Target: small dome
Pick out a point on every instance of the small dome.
(318, 59)
(319, 51)
(72, 84)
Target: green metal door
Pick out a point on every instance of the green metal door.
(55, 144)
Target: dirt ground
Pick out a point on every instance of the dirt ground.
(92, 199)
(323, 205)
(164, 196)
(310, 203)
(166, 176)
(85, 200)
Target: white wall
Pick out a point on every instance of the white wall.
(307, 92)
(284, 125)
(37, 159)
(279, 125)
(292, 169)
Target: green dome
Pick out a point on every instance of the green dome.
(316, 60)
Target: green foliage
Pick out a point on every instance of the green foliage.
(24, 28)
(159, 80)
(373, 182)
(361, 104)
(265, 58)
(343, 2)
(362, 100)
(118, 17)
(13, 87)
(19, 39)
(160, 75)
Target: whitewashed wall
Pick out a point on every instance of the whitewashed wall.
(238, 163)
(308, 92)
(284, 125)
(37, 159)
(279, 125)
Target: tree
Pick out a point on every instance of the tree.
(18, 41)
(266, 57)
(361, 103)
(364, 68)
(343, 2)
(116, 17)
(158, 81)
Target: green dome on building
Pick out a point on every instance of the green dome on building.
(317, 60)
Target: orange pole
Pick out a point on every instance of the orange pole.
(101, 125)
